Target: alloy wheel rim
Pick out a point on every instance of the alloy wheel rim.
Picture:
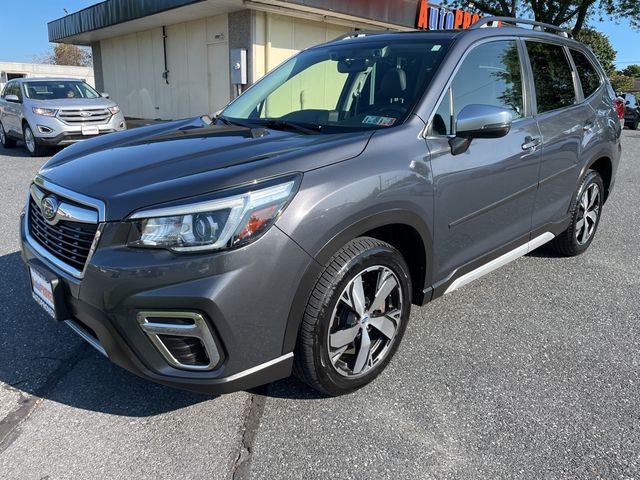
(2, 134)
(588, 213)
(365, 321)
(28, 139)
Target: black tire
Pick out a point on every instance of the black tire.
(568, 242)
(5, 141)
(35, 149)
(360, 257)
(634, 123)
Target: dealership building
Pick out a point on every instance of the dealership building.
(167, 59)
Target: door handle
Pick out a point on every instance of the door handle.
(531, 142)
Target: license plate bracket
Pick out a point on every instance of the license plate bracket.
(48, 291)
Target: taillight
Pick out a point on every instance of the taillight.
(620, 108)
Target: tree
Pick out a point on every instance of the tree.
(621, 83)
(66, 54)
(572, 13)
(601, 47)
(632, 71)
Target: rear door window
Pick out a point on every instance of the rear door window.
(552, 76)
(588, 74)
(489, 75)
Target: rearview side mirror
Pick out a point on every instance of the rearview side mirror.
(12, 98)
(479, 121)
(105, 95)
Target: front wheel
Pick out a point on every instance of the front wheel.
(634, 123)
(31, 142)
(355, 317)
(585, 217)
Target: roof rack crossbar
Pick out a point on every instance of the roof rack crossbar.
(512, 20)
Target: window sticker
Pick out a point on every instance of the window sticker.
(380, 121)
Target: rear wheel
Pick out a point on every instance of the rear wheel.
(634, 123)
(4, 140)
(585, 217)
(355, 317)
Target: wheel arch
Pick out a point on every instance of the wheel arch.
(604, 166)
(405, 230)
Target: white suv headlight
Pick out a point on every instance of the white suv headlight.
(115, 109)
(47, 112)
(212, 225)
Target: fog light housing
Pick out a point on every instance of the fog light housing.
(184, 339)
(45, 129)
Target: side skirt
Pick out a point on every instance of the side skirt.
(496, 259)
(499, 262)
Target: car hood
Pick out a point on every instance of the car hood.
(166, 162)
(73, 103)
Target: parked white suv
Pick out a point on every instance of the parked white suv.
(47, 112)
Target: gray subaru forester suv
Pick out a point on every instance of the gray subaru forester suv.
(293, 232)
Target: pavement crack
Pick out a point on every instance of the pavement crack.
(242, 465)
(10, 425)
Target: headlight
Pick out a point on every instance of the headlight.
(115, 109)
(217, 224)
(47, 112)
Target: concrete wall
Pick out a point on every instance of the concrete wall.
(132, 65)
(278, 37)
(198, 64)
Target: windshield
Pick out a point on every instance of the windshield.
(342, 87)
(55, 90)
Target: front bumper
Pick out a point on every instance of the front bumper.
(245, 296)
(54, 132)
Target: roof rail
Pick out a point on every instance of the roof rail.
(358, 33)
(539, 26)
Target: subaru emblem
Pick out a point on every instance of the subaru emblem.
(49, 208)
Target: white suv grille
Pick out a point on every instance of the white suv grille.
(93, 116)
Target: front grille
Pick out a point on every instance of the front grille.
(69, 242)
(96, 116)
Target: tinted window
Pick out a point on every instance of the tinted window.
(552, 76)
(589, 77)
(489, 75)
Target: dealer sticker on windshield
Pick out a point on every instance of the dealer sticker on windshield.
(380, 121)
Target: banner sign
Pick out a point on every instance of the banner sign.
(440, 18)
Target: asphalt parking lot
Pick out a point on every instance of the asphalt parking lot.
(530, 372)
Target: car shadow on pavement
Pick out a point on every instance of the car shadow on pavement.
(45, 359)
(17, 152)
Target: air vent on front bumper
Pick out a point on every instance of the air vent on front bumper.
(69, 242)
(184, 339)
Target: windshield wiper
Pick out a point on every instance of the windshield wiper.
(237, 123)
(274, 123)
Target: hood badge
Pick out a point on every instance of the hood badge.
(49, 208)
(85, 113)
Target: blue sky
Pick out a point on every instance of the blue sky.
(27, 31)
